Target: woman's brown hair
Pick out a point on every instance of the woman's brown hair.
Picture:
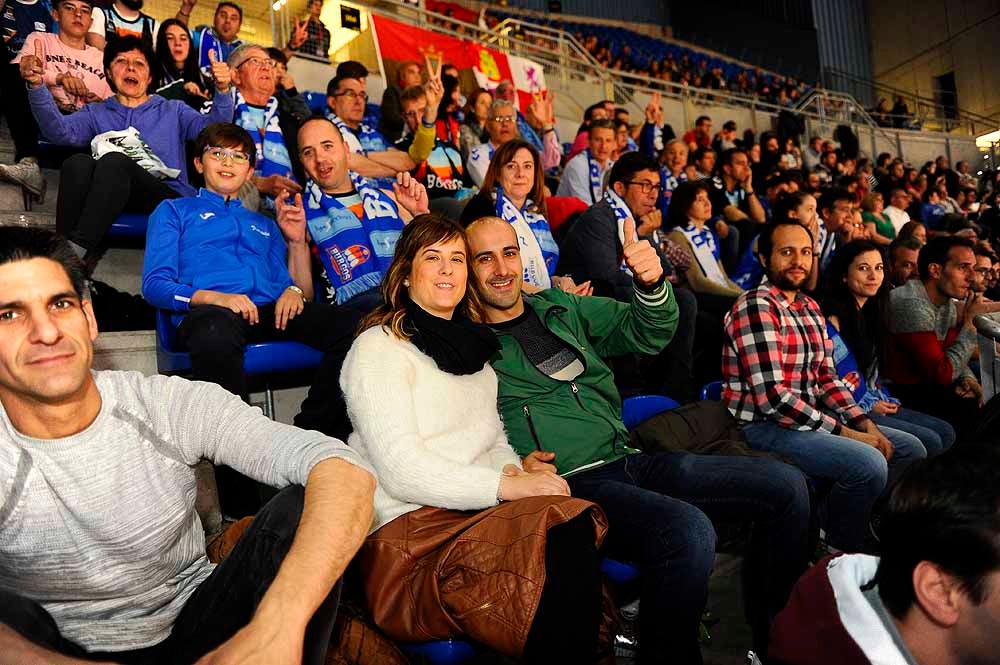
(422, 231)
(505, 155)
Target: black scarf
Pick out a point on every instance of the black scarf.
(457, 346)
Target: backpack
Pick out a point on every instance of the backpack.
(704, 427)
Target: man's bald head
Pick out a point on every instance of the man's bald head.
(496, 264)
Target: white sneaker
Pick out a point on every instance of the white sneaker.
(25, 173)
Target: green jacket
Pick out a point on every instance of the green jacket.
(580, 420)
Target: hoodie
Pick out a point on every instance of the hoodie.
(835, 615)
(165, 125)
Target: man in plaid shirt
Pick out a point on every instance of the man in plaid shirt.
(781, 383)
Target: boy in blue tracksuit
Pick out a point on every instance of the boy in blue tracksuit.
(234, 277)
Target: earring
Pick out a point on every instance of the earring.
(406, 283)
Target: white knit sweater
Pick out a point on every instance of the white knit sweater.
(435, 439)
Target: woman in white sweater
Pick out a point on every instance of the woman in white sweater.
(519, 575)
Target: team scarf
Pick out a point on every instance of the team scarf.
(706, 252)
(539, 251)
(369, 138)
(668, 183)
(272, 155)
(355, 253)
(596, 181)
(622, 212)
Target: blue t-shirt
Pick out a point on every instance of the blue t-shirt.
(19, 19)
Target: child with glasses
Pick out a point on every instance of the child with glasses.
(230, 277)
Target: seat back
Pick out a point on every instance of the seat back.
(643, 407)
(712, 391)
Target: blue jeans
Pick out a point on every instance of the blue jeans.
(858, 472)
(659, 508)
(936, 434)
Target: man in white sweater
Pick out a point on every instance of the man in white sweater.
(102, 554)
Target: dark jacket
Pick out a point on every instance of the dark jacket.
(391, 122)
(592, 250)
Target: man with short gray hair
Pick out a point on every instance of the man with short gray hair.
(273, 129)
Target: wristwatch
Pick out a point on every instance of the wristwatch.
(295, 289)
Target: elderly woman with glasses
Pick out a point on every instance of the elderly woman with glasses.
(136, 141)
(501, 127)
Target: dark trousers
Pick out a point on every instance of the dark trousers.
(93, 193)
(672, 371)
(216, 338)
(659, 510)
(962, 413)
(222, 605)
(17, 111)
(569, 612)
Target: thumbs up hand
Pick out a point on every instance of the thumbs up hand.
(640, 257)
(31, 65)
(220, 72)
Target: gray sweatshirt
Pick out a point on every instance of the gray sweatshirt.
(100, 527)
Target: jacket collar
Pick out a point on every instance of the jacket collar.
(217, 199)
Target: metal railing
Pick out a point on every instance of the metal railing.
(989, 358)
(923, 113)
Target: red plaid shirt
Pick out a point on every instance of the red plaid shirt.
(777, 364)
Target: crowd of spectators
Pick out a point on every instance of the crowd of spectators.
(482, 298)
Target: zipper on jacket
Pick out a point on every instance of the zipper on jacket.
(531, 427)
(576, 393)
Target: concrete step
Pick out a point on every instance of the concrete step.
(122, 269)
(134, 350)
(45, 220)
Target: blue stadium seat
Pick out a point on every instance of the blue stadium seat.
(316, 101)
(642, 407)
(258, 359)
(712, 391)
(129, 225)
(619, 572)
(441, 652)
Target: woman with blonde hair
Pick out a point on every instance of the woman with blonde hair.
(464, 542)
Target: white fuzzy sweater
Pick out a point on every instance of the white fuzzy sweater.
(434, 439)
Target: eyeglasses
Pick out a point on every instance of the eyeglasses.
(644, 185)
(263, 63)
(222, 154)
(351, 95)
(502, 119)
(415, 113)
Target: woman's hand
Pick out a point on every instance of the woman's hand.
(517, 484)
(883, 408)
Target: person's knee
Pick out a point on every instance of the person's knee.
(684, 536)
(868, 470)
(112, 162)
(787, 487)
(907, 447)
(80, 164)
